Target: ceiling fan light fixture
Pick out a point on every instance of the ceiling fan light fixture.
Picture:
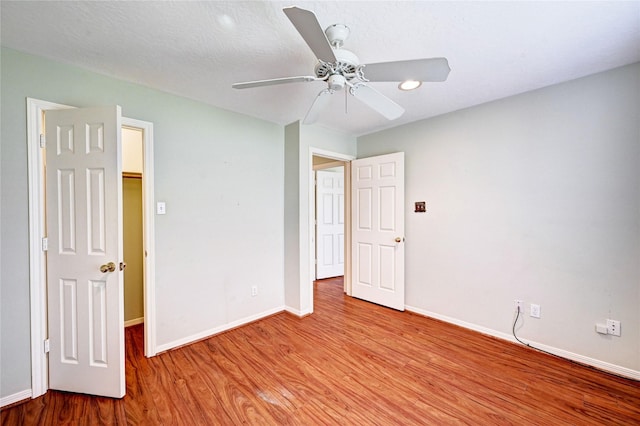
(336, 82)
(409, 85)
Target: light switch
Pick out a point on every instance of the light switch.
(161, 208)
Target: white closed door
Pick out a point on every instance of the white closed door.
(84, 226)
(378, 229)
(330, 224)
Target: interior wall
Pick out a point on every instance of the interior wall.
(292, 217)
(221, 175)
(533, 197)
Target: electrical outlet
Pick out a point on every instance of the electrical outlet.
(518, 304)
(254, 290)
(613, 327)
(534, 310)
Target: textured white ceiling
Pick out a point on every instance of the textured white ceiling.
(198, 49)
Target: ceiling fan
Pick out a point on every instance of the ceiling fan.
(341, 69)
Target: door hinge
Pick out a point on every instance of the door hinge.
(46, 346)
(43, 142)
(45, 243)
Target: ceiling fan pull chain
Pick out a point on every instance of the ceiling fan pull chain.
(345, 103)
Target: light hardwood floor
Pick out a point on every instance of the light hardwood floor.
(350, 362)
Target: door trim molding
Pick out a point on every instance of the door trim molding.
(37, 261)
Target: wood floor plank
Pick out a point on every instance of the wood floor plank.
(232, 386)
(210, 410)
(144, 411)
(350, 363)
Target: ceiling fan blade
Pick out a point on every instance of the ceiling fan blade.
(309, 28)
(274, 81)
(428, 69)
(320, 103)
(377, 101)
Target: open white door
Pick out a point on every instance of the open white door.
(84, 273)
(378, 229)
(330, 224)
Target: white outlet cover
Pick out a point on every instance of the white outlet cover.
(613, 327)
(534, 310)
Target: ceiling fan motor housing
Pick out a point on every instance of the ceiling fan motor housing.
(347, 63)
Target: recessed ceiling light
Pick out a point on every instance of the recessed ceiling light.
(409, 85)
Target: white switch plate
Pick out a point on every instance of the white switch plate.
(161, 208)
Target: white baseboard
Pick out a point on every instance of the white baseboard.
(296, 312)
(134, 321)
(602, 365)
(16, 397)
(213, 331)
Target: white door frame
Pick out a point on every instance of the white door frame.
(312, 216)
(37, 260)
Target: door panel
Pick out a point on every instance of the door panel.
(330, 224)
(378, 229)
(84, 223)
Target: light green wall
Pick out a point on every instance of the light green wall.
(220, 173)
(533, 197)
(292, 217)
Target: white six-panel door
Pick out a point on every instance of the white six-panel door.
(84, 226)
(378, 229)
(330, 224)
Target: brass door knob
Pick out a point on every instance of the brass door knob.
(109, 267)
(122, 266)
(399, 239)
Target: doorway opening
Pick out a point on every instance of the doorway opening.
(329, 218)
(321, 160)
(132, 203)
